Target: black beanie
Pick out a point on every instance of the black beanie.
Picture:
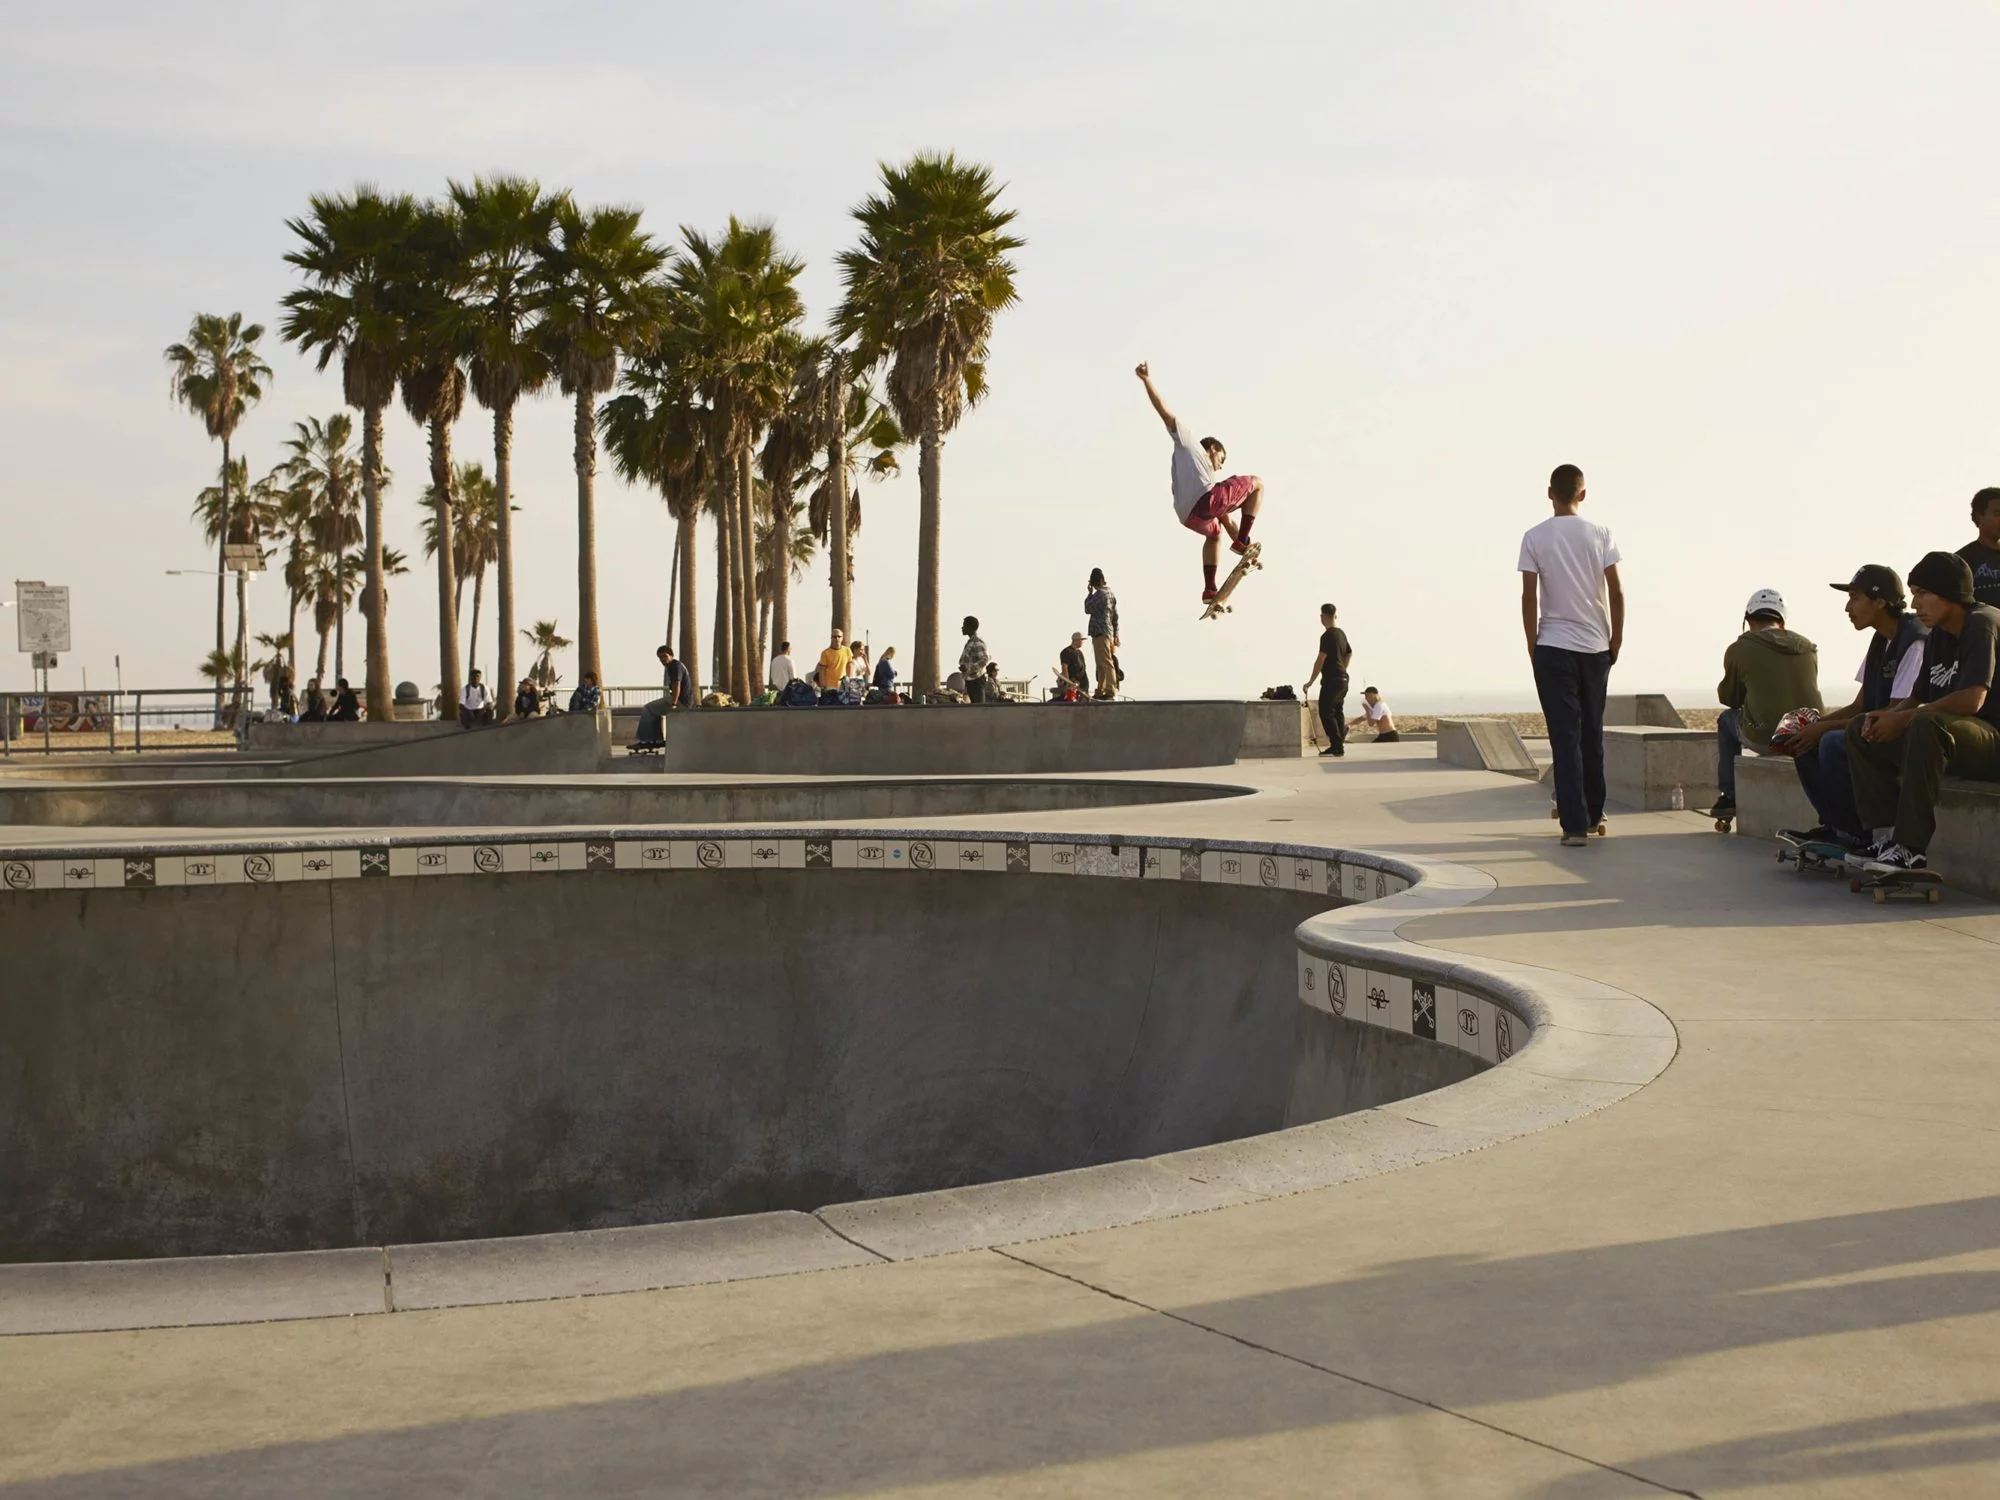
(1945, 574)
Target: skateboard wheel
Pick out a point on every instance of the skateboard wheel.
(1854, 886)
(1722, 825)
(1881, 895)
(1932, 897)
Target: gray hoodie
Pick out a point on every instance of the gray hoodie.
(1765, 675)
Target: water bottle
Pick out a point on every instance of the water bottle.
(1677, 800)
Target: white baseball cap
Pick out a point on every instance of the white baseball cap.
(1765, 602)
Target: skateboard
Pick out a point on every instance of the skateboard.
(642, 749)
(1248, 562)
(1723, 821)
(1812, 854)
(1899, 885)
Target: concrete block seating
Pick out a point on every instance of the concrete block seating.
(1966, 851)
(1642, 766)
(1485, 745)
(1275, 728)
(1647, 710)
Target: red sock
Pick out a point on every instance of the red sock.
(1243, 531)
(1208, 575)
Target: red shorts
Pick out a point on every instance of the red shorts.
(1223, 496)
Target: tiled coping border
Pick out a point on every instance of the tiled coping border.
(1570, 1046)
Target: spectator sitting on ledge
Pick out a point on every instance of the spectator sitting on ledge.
(1953, 725)
(1766, 673)
(584, 699)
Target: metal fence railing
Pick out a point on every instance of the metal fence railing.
(114, 719)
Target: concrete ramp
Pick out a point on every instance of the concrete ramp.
(1485, 745)
(1642, 710)
(566, 745)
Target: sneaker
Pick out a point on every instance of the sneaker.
(1576, 841)
(1208, 595)
(1329, 750)
(1872, 850)
(1239, 546)
(1897, 857)
(1725, 807)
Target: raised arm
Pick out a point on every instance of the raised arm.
(1153, 395)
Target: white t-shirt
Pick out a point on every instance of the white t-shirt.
(1570, 554)
(782, 672)
(475, 697)
(1194, 476)
(1375, 712)
(1906, 673)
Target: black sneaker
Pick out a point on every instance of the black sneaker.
(1819, 833)
(1897, 858)
(1725, 807)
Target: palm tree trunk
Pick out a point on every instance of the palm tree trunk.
(339, 637)
(292, 635)
(242, 638)
(222, 574)
(319, 667)
(836, 486)
(503, 483)
(763, 630)
(472, 647)
(746, 587)
(377, 613)
(928, 550)
(781, 548)
(588, 658)
(684, 548)
(449, 683)
(719, 678)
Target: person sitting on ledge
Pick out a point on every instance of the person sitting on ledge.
(1888, 675)
(1953, 723)
(884, 681)
(1376, 713)
(346, 706)
(584, 699)
(1766, 673)
(679, 685)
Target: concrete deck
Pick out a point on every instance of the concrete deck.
(1774, 1270)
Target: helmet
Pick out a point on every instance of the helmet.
(1793, 722)
(1765, 602)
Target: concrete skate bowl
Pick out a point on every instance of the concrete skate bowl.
(829, 1047)
(444, 802)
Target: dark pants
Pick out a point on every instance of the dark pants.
(1829, 784)
(472, 718)
(1571, 686)
(1728, 745)
(1897, 780)
(652, 718)
(975, 688)
(1333, 713)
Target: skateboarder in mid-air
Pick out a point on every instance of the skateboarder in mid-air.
(1203, 502)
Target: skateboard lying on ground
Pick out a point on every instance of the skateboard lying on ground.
(1898, 885)
(654, 747)
(1248, 562)
(1812, 854)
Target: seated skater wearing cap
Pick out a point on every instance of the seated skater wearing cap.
(1766, 673)
(1888, 675)
(1953, 724)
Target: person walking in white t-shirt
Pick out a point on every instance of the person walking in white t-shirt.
(1573, 611)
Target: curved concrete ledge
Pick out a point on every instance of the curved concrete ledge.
(1587, 1046)
(501, 802)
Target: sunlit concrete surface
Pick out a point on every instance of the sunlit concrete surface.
(1775, 1270)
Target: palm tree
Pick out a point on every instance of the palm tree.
(278, 649)
(236, 512)
(504, 222)
(595, 282)
(433, 384)
(785, 548)
(860, 436)
(545, 642)
(791, 443)
(734, 309)
(354, 304)
(218, 375)
(475, 541)
(323, 480)
(655, 430)
(921, 292)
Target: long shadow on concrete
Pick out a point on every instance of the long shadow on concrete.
(1462, 1332)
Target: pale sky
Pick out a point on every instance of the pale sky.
(1736, 260)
